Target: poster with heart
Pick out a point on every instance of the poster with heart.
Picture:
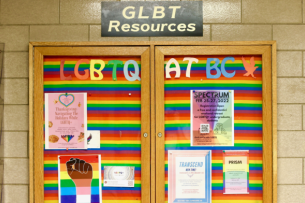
(65, 120)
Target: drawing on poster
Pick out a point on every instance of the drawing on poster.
(93, 139)
(79, 179)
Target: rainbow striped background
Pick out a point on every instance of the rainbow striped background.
(112, 111)
(247, 120)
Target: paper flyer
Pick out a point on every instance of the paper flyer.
(189, 176)
(79, 179)
(212, 117)
(119, 176)
(65, 120)
(235, 172)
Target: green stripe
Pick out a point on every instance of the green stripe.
(248, 125)
(50, 165)
(177, 125)
(70, 183)
(50, 185)
(247, 105)
(217, 164)
(256, 185)
(256, 165)
(247, 145)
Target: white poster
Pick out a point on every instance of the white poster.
(189, 176)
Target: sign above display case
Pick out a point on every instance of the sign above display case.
(140, 19)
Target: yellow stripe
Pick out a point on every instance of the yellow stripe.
(73, 62)
(90, 82)
(249, 141)
(51, 182)
(120, 162)
(247, 102)
(255, 161)
(177, 142)
(212, 82)
(177, 102)
(113, 122)
(65, 176)
(50, 201)
(50, 162)
(112, 102)
(177, 122)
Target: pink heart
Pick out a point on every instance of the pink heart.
(66, 99)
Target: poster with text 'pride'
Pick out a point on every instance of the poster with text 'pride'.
(79, 179)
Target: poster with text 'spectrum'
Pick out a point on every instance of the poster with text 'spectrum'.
(212, 117)
(79, 179)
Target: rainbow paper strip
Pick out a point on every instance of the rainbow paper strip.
(67, 138)
(235, 172)
(247, 120)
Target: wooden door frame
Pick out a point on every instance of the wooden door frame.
(36, 139)
(153, 137)
(268, 142)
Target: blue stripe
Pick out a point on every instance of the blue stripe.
(114, 129)
(212, 88)
(113, 109)
(50, 188)
(70, 89)
(213, 148)
(235, 108)
(235, 128)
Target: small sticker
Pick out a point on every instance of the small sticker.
(93, 139)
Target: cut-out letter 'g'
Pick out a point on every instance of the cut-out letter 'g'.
(135, 75)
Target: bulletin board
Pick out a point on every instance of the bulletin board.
(142, 119)
(179, 81)
(117, 108)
